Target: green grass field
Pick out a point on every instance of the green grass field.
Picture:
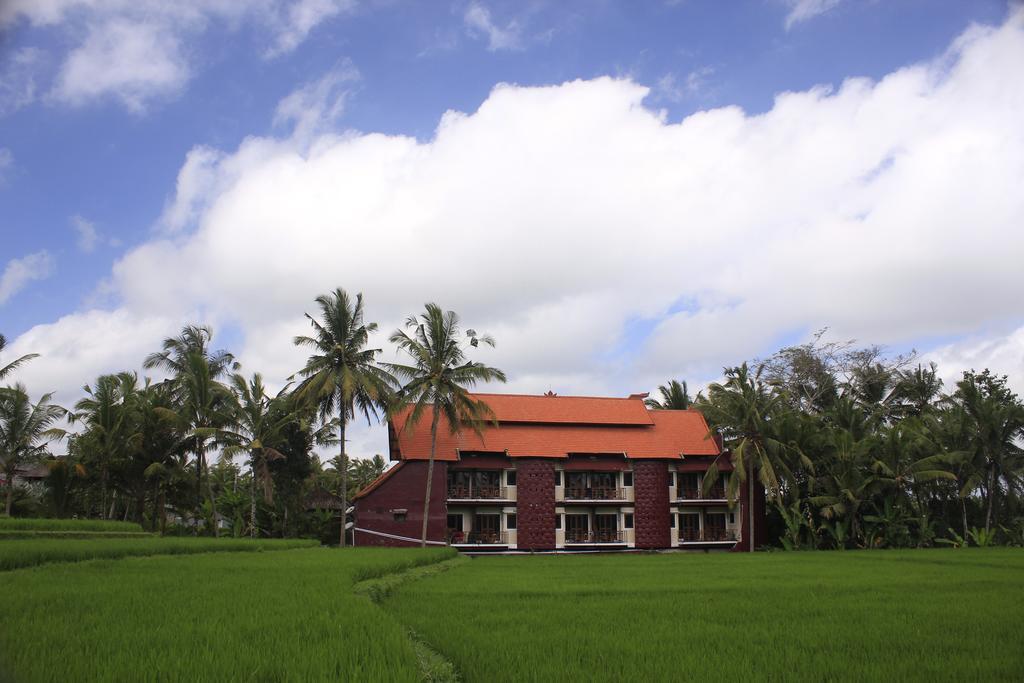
(293, 615)
(219, 617)
(36, 551)
(881, 615)
(75, 525)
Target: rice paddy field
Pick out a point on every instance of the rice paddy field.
(873, 615)
(302, 614)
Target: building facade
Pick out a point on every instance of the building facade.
(559, 474)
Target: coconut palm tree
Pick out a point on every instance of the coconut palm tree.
(342, 376)
(25, 429)
(674, 396)
(256, 428)
(16, 363)
(996, 419)
(199, 397)
(438, 379)
(743, 407)
(107, 412)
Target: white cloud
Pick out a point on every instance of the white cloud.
(87, 235)
(135, 60)
(671, 88)
(140, 51)
(608, 248)
(1003, 354)
(19, 272)
(301, 17)
(316, 106)
(18, 80)
(802, 10)
(479, 24)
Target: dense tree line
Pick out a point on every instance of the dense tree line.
(854, 448)
(859, 450)
(207, 449)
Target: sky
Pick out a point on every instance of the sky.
(619, 192)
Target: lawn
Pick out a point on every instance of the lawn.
(225, 616)
(876, 615)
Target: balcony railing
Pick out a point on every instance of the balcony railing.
(478, 538)
(600, 536)
(477, 492)
(594, 493)
(697, 493)
(709, 536)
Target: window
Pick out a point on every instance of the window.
(558, 477)
(399, 515)
(577, 528)
(510, 521)
(558, 521)
(627, 478)
(454, 522)
(510, 478)
(672, 521)
(732, 518)
(671, 478)
(689, 527)
(628, 521)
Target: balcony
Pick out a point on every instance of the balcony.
(697, 493)
(479, 538)
(590, 537)
(594, 493)
(709, 536)
(477, 492)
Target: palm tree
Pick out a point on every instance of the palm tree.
(342, 376)
(17, 362)
(743, 408)
(363, 471)
(674, 396)
(107, 413)
(25, 429)
(996, 419)
(257, 425)
(199, 397)
(438, 378)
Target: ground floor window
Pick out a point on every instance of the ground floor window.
(558, 521)
(627, 521)
(606, 528)
(689, 527)
(510, 521)
(714, 526)
(454, 522)
(577, 528)
(486, 528)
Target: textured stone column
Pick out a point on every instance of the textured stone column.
(535, 505)
(651, 514)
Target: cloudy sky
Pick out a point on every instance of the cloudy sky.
(619, 192)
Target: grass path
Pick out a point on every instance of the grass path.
(940, 615)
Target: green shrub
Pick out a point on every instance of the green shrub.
(31, 524)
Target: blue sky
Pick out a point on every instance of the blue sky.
(101, 106)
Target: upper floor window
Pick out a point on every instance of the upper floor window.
(510, 477)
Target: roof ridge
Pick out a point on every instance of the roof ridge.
(593, 398)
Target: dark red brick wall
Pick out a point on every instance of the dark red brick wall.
(535, 501)
(651, 515)
(404, 490)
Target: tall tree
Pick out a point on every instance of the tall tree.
(439, 377)
(107, 412)
(997, 425)
(256, 428)
(674, 396)
(199, 398)
(342, 376)
(743, 407)
(25, 429)
(16, 363)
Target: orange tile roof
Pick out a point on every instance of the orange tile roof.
(567, 409)
(663, 434)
